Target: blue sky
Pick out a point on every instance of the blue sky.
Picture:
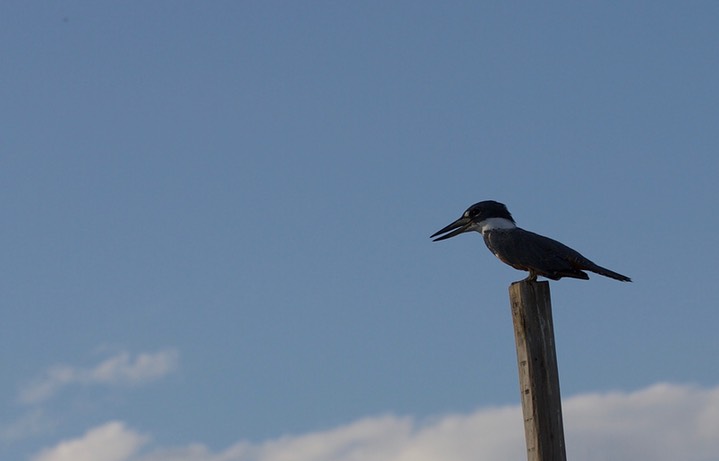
(217, 219)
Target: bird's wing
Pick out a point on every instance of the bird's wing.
(526, 250)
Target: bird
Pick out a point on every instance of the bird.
(522, 249)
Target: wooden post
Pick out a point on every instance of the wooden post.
(538, 374)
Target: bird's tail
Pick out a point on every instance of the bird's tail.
(607, 273)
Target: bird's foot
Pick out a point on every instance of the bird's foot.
(532, 277)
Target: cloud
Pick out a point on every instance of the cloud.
(120, 369)
(664, 422)
(109, 442)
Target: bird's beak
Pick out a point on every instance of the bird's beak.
(461, 225)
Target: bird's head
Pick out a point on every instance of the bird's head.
(479, 217)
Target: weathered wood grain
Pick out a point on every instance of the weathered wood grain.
(538, 373)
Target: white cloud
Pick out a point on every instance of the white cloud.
(109, 442)
(120, 369)
(663, 423)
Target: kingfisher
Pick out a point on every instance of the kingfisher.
(521, 249)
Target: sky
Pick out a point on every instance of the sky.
(216, 221)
